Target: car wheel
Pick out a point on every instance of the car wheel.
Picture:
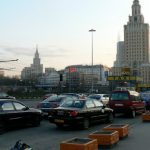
(144, 109)
(110, 118)
(59, 125)
(2, 128)
(86, 123)
(36, 121)
(133, 114)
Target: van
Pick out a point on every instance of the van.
(127, 102)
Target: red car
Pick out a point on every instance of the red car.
(128, 102)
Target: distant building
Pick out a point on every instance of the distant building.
(134, 51)
(80, 76)
(120, 60)
(49, 70)
(50, 80)
(35, 70)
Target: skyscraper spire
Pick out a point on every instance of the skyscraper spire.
(136, 8)
(36, 53)
(136, 2)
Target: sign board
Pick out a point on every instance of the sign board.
(126, 71)
(124, 78)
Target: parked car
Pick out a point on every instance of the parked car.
(80, 112)
(4, 95)
(14, 113)
(47, 95)
(146, 98)
(75, 95)
(104, 98)
(51, 102)
(128, 102)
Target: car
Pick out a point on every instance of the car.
(104, 98)
(47, 95)
(75, 95)
(14, 113)
(4, 95)
(146, 98)
(127, 102)
(51, 102)
(80, 112)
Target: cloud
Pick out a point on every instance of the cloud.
(47, 51)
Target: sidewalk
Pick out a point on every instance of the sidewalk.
(138, 139)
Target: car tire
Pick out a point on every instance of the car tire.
(144, 109)
(133, 114)
(36, 121)
(110, 118)
(59, 125)
(86, 123)
(2, 128)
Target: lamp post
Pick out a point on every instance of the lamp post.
(92, 30)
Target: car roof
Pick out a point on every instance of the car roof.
(3, 100)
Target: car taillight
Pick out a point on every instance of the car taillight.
(73, 113)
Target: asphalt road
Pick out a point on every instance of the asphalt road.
(48, 137)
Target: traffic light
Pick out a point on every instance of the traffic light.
(61, 77)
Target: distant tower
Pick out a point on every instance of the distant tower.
(36, 60)
(36, 67)
(35, 70)
(136, 38)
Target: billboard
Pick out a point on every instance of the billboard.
(124, 78)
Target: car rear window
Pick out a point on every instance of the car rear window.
(73, 103)
(119, 96)
(98, 97)
(54, 98)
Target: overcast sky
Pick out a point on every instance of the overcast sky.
(60, 28)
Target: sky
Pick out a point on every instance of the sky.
(60, 28)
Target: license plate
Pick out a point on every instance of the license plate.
(60, 113)
(59, 121)
(118, 104)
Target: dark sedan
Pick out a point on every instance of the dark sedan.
(80, 112)
(14, 113)
(51, 102)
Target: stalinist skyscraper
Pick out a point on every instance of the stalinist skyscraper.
(134, 51)
(136, 39)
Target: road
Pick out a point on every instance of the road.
(48, 136)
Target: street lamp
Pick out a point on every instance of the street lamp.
(92, 30)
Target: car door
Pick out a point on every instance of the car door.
(100, 112)
(10, 116)
(22, 112)
(92, 110)
(140, 105)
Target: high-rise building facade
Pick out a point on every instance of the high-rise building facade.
(136, 38)
(120, 60)
(136, 50)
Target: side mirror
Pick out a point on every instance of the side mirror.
(25, 108)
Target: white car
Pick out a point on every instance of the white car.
(104, 98)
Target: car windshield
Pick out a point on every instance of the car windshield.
(98, 97)
(120, 96)
(74, 103)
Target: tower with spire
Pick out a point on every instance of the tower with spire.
(136, 38)
(36, 67)
(135, 47)
(35, 70)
